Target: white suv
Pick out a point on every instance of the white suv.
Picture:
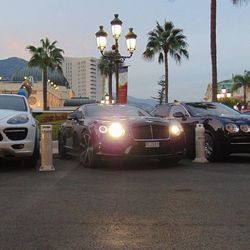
(18, 130)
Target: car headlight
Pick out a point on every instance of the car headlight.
(175, 129)
(116, 130)
(245, 128)
(18, 119)
(232, 128)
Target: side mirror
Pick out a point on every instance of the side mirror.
(72, 116)
(179, 115)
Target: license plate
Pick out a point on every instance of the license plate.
(152, 144)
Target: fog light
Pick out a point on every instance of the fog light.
(18, 146)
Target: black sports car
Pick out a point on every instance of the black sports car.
(98, 131)
(226, 130)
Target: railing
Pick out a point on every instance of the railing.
(54, 118)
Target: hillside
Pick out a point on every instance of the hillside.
(10, 66)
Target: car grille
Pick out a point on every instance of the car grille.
(16, 134)
(1, 137)
(150, 131)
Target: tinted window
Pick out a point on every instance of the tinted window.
(13, 103)
(175, 109)
(115, 110)
(161, 111)
(203, 109)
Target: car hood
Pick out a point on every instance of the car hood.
(6, 113)
(235, 119)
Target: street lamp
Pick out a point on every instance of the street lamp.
(224, 93)
(117, 58)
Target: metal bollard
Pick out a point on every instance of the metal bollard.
(46, 149)
(200, 144)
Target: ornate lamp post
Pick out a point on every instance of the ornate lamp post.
(116, 57)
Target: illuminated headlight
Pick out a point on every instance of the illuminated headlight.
(232, 128)
(103, 129)
(245, 128)
(18, 119)
(116, 130)
(175, 129)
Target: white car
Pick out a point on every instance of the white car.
(18, 130)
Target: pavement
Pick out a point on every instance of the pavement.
(126, 205)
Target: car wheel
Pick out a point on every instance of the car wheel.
(61, 150)
(31, 162)
(210, 148)
(87, 154)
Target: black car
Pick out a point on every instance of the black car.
(98, 131)
(226, 130)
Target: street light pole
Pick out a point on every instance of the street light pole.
(116, 58)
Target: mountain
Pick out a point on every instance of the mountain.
(9, 66)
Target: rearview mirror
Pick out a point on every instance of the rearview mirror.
(72, 116)
(178, 115)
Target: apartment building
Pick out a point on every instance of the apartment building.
(83, 76)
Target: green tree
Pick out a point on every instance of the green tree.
(242, 81)
(160, 92)
(213, 7)
(107, 67)
(166, 40)
(48, 56)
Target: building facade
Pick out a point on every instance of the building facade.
(56, 96)
(227, 86)
(83, 76)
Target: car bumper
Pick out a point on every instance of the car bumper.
(138, 149)
(237, 144)
(10, 149)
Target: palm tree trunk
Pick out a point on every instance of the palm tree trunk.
(166, 75)
(245, 95)
(45, 89)
(213, 50)
(103, 85)
(110, 86)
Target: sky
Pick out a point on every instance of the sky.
(73, 23)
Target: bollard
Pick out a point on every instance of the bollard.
(46, 149)
(200, 144)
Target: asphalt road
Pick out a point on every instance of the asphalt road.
(144, 205)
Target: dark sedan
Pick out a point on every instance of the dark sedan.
(226, 130)
(98, 131)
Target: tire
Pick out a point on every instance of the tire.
(31, 161)
(86, 151)
(211, 151)
(61, 150)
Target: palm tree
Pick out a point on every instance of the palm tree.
(166, 40)
(242, 81)
(107, 68)
(213, 46)
(48, 56)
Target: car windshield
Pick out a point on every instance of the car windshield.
(13, 103)
(114, 110)
(214, 109)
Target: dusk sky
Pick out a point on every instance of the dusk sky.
(73, 23)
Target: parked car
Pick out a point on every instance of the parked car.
(245, 112)
(18, 130)
(226, 130)
(97, 131)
